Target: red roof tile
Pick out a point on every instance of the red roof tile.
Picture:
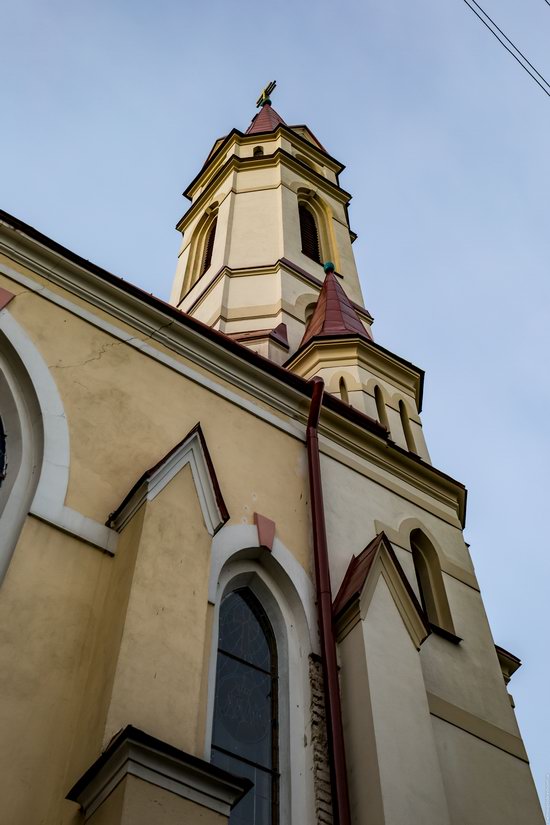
(266, 120)
(358, 571)
(356, 575)
(333, 314)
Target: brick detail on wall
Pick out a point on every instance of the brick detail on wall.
(321, 769)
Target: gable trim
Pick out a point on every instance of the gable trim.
(193, 451)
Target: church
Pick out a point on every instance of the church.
(234, 588)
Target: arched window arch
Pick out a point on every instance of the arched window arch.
(208, 247)
(344, 395)
(258, 151)
(309, 233)
(430, 582)
(406, 424)
(245, 722)
(310, 309)
(381, 408)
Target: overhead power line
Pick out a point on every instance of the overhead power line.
(518, 55)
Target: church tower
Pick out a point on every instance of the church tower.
(267, 258)
(234, 590)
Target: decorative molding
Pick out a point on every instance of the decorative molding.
(48, 503)
(400, 537)
(235, 540)
(266, 530)
(480, 728)
(135, 753)
(5, 297)
(245, 373)
(191, 450)
(359, 584)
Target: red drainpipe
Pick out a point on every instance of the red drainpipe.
(335, 733)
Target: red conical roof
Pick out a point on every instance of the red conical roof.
(334, 314)
(266, 120)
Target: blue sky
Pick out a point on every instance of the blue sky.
(109, 109)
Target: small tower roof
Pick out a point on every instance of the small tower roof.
(266, 120)
(334, 314)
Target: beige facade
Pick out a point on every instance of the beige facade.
(156, 461)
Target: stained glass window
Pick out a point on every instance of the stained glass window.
(244, 736)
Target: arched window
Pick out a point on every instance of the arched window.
(381, 408)
(406, 424)
(245, 723)
(208, 247)
(430, 582)
(344, 391)
(258, 151)
(309, 234)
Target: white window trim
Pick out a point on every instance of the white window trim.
(255, 568)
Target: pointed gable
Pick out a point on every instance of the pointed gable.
(334, 314)
(266, 120)
(192, 450)
(380, 556)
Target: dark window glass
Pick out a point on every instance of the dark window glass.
(2, 452)
(308, 231)
(208, 247)
(244, 737)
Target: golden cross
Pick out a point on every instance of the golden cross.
(264, 97)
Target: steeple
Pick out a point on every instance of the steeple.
(334, 315)
(266, 120)
(266, 210)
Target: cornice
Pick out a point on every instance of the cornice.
(135, 753)
(266, 269)
(368, 354)
(230, 369)
(236, 136)
(236, 163)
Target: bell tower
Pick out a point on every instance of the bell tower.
(267, 258)
(267, 210)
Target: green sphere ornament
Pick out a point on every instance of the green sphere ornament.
(328, 266)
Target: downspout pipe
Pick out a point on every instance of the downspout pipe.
(333, 708)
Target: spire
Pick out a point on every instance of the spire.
(266, 120)
(334, 314)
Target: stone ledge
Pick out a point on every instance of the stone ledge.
(133, 752)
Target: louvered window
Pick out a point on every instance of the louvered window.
(310, 236)
(208, 247)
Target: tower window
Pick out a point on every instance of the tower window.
(208, 247)
(381, 408)
(430, 582)
(407, 430)
(244, 737)
(258, 151)
(344, 391)
(309, 233)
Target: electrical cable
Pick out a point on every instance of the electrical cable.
(545, 88)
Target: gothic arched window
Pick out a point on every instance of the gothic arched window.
(208, 247)
(245, 729)
(407, 430)
(309, 234)
(381, 408)
(430, 582)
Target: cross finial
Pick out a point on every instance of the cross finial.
(264, 97)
